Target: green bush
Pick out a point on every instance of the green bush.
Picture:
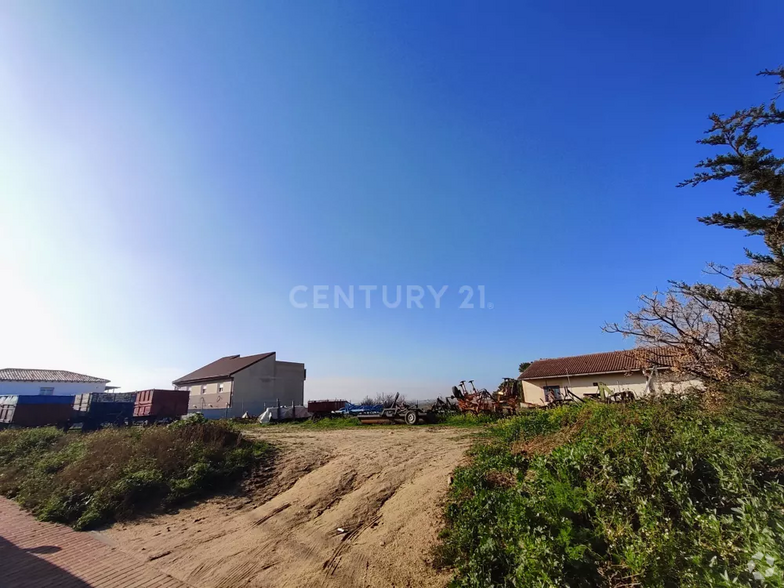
(664, 493)
(95, 478)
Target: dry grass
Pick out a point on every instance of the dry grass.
(544, 444)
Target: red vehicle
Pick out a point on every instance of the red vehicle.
(160, 405)
(324, 408)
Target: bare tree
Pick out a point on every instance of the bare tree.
(683, 329)
(384, 398)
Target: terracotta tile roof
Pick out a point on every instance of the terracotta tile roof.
(597, 363)
(25, 375)
(221, 368)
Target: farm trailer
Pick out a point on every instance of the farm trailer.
(35, 411)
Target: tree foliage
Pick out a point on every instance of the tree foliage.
(384, 398)
(721, 333)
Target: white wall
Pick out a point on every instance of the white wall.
(60, 388)
(664, 382)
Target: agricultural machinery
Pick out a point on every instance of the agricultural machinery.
(397, 411)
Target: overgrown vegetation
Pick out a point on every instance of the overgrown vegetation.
(661, 493)
(86, 480)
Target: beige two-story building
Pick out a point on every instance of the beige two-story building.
(233, 385)
(546, 380)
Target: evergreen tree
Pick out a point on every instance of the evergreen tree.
(757, 172)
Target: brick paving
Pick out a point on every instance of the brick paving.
(41, 555)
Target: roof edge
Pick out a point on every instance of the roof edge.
(79, 379)
(222, 377)
(199, 380)
(661, 367)
(95, 381)
(265, 356)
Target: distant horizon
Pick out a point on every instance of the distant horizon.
(332, 389)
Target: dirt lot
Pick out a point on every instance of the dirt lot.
(382, 486)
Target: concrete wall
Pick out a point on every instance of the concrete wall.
(209, 395)
(254, 388)
(263, 384)
(664, 382)
(290, 382)
(60, 388)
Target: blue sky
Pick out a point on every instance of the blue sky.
(170, 171)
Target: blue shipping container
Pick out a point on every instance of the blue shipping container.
(107, 412)
(44, 400)
(94, 409)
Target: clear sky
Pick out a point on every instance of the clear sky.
(170, 171)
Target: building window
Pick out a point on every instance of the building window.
(220, 388)
(552, 393)
(46, 391)
(204, 389)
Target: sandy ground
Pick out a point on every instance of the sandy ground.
(350, 508)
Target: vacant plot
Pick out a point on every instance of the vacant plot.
(354, 507)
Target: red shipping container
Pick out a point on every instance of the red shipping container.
(161, 403)
(325, 406)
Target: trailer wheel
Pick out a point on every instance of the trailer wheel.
(412, 417)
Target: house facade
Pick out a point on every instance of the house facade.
(546, 380)
(31, 382)
(233, 385)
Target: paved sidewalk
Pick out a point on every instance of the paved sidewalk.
(38, 555)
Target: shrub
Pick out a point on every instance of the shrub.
(96, 478)
(652, 494)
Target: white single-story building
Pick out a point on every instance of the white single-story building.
(26, 382)
(546, 380)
